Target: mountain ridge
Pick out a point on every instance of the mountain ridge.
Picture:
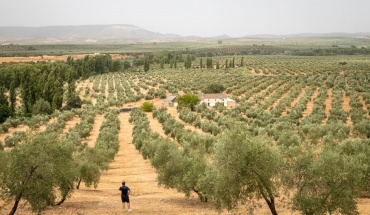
(333, 34)
(123, 33)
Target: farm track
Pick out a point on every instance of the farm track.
(146, 196)
(105, 90)
(70, 124)
(364, 106)
(115, 93)
(155, 125)
(309, 106)
(268, 96)
(278, 100)
(12, 130)
(89, 85)
(43, 127)
(98, 121)
(24, 128)
(347, 107)
(294, 102)
(336, 80)
(173, 112)
(328, 107)
(254, 95)
(252, 71)
(280, 85)
(83, 86)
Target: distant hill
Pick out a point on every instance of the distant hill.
(83, 33)
(308, 35)
(120, 33)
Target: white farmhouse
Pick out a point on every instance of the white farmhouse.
(211, 99)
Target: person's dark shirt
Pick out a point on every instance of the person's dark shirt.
(124, 190)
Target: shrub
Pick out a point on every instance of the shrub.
(5, 112)
(147, 107)
(15, 122)
(41, 107)
(9, 141)
(74, 102)
(214, 88)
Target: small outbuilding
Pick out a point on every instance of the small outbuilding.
(170, 101)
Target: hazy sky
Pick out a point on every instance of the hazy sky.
(196, 17)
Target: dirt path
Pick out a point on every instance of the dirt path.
(146, 197)
(24, 128)
(155, 125)
(328, 102)
(364, 106)
(347, 107)
(278, 100)
(309, 106)
(11, 130)
(294, 102)
(70, 124)
(98, 121)
(173, 112)
(104, 88)
(115, 93)
(255, 94)
(252, 71)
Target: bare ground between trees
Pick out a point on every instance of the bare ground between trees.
(294, 102)
(328, 102)
(147, 197)
(309, 106)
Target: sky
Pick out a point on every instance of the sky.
(204, 18)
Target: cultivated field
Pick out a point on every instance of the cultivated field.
(314, 99)
(52, 58)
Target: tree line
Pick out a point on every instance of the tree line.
(44, 87)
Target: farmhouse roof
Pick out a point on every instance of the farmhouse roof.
(171, 98)
(213, 96)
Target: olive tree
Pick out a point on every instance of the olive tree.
(244, 168)
(180, 169)
(41, 107)
(187, 101)
(33, 172)
(327, 180)
(91, 162)
(214, 88)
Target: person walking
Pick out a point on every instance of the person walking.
(125, 192)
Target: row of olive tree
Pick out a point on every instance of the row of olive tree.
(46, 168)
(179, 168)
(245, 167)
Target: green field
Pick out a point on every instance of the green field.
(284, 45)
